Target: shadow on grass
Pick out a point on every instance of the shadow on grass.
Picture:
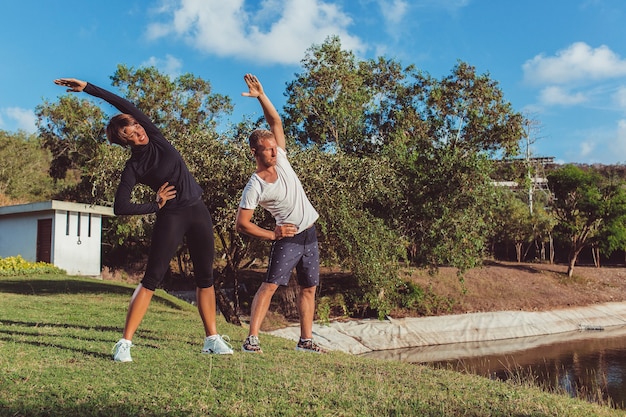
(97, 407)
(143, 333)
(26, 332)
(39, 343)
(43, 287)
(12, 336)
(59, 325)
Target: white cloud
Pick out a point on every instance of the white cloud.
(229, 28)
(586, 148)
(20, 119)
(577, 62)
(620, 97)
(621, 134)
(559, 96)
(450, 5)
(618, 144)
(170, 65)
(393, 11)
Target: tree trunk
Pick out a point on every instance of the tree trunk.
(288, 299)
(551, 249)
(525, 255)
(518, 251)
(225, 307)
(595, 252)
(573, 256)
(570, 267)
(230, 313)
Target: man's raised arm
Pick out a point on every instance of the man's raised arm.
(269, 111)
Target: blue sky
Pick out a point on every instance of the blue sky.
(560, 62)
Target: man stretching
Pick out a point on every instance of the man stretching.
(276, 187)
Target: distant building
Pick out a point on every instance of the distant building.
(537, 182)
(67, 235)
(540, 165)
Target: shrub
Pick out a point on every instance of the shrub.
(16, 265)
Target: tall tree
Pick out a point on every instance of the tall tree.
(325, 103)
(343, 188)
(587, 207)
(463, 122)
(514, 222)
(71, 130)
(436, 138)
(24, 168)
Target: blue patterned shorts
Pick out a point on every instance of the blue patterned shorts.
(299, 252)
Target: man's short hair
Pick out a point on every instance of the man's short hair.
(258, 135)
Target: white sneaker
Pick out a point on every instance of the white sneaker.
(217, 345)
(121, 351)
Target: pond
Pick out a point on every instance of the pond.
(590, 364)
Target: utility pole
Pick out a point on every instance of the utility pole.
(529, 129)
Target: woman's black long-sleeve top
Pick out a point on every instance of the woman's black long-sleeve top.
(152, 164)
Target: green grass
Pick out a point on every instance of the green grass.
(56, 335)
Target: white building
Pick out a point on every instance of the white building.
(67, 235)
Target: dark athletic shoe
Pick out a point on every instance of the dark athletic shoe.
(308, 345)
(252, 345)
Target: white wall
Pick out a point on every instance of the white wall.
(18, 236)
(78, 254)
(76, 251)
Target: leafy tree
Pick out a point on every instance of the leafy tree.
(514, 221)
(24, 168)
(71, 130)
(343, 189)
(612, 234)
(223, 167)
(445, 164)
(332, 111)
(186, 110)
(340, 188)
(467, 112)
(436, 136)
(589, 209)
(325, 103)
(181, 107)
(396, 160)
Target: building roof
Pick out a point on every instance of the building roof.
(56, 205)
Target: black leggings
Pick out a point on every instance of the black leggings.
(193, 223)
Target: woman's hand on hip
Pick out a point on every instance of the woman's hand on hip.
(166, 192)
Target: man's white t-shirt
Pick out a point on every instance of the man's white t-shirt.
(285, 198)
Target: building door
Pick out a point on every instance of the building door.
(44, 240)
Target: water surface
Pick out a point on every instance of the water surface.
(590, 363)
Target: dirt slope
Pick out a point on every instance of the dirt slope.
(499, 286)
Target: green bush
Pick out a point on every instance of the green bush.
(334, 305)
(16, 265)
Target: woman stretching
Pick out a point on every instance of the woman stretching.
(180, 213)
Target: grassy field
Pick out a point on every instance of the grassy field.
(56, 335)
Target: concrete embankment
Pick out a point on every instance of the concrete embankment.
(363, 336)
